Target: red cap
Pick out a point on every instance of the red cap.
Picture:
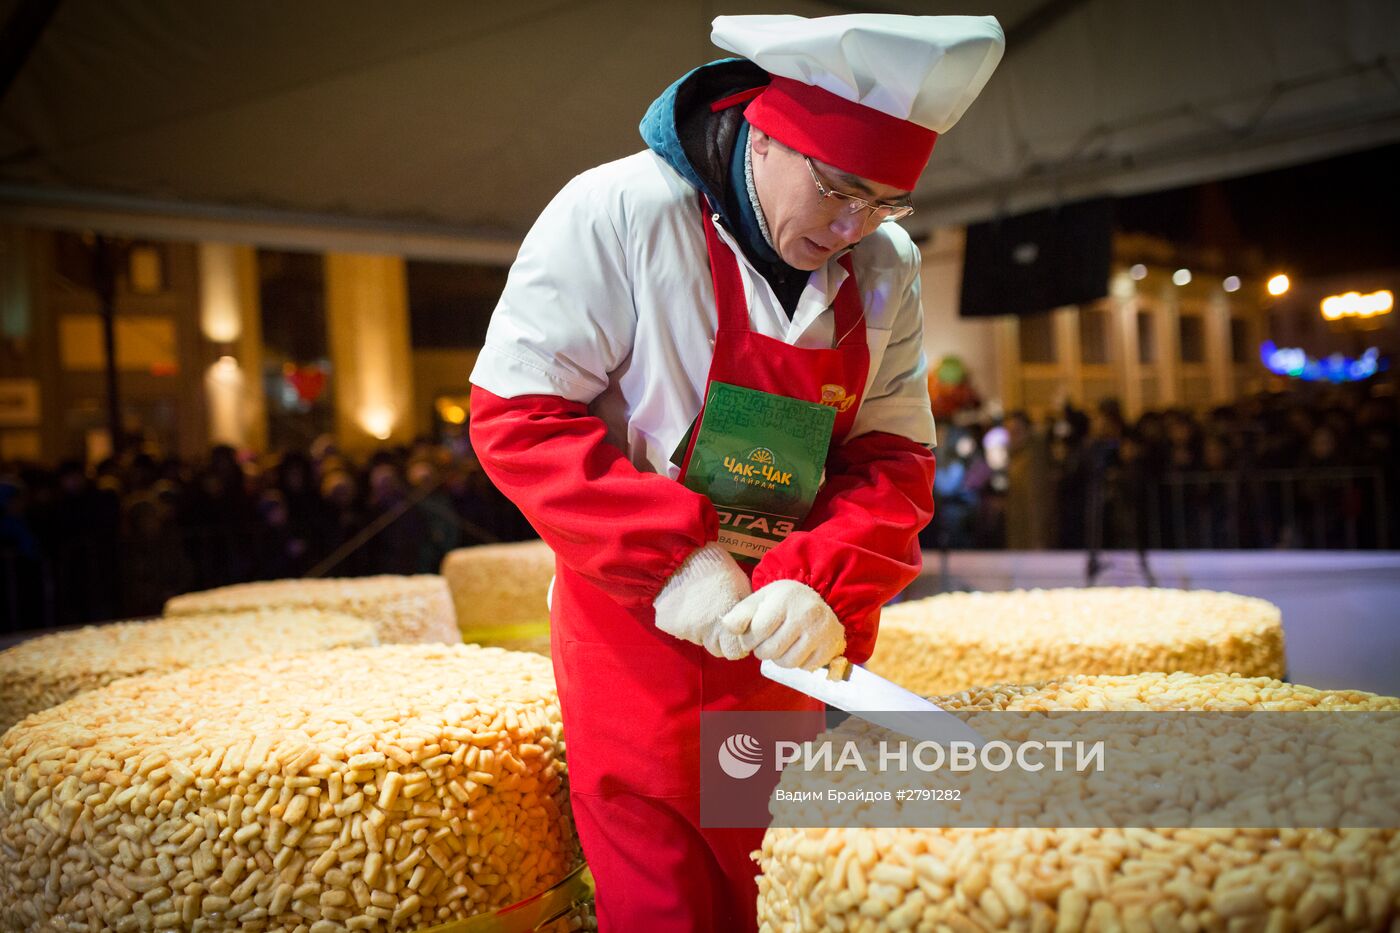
(849, 136)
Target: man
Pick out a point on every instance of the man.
(745, 247)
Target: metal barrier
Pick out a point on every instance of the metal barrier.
(364, 536)
(1341, 508)
(88, 579)
(1334, 508)
(94, 578)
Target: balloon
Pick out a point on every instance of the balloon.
(951, 371)
(309, 382)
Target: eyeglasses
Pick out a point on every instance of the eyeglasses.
(850, 204)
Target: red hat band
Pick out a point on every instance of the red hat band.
(849, 136)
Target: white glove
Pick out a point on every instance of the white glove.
(706, 586)
(790, 624)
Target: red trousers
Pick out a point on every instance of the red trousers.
(631, 698)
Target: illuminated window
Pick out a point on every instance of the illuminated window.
(145, 266)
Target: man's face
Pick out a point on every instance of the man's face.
(806, 228)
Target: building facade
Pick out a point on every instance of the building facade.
(262, 348)
(226, 343)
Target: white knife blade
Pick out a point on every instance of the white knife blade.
(878, 701)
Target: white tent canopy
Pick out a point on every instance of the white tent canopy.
(442, 128)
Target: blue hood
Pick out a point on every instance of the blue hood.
(706, 148)
(660, 125)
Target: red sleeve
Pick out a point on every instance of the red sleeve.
(625, 530)
(859, 546)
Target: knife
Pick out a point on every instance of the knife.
(853, 689)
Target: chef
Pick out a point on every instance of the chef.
(752, 244)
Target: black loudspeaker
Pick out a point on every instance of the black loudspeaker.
(1034, 262)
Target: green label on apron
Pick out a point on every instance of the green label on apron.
(759, 458)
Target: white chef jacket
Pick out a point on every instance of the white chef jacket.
(610, 303)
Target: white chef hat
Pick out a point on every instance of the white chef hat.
(869, 92)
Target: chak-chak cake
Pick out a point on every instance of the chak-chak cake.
(1091, 879)
(404, 610)
(387, 788)
(956, 641)
(499, 591)
(47, 670)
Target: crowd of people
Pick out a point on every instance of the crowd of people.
(116, 541)
(1311, 467)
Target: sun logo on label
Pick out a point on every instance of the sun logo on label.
(762, 455)
(835, 396)
(740, 756)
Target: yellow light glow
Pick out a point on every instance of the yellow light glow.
(1278, 284)
(452, 408)
(378, 421)
(145, 270)
(226, 369)
(225, 389)
(219, 317)
(1355, 304)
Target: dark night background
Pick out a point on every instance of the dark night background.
(1320, 219)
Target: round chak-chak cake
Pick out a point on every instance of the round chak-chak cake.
(955, 641)
(1091, 879)
(385, 788)
(47, 670)
(499, 591)
(404, 610)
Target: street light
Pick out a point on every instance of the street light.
(1355, 304)
(1278, 284)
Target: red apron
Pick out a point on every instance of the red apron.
(631, 695)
